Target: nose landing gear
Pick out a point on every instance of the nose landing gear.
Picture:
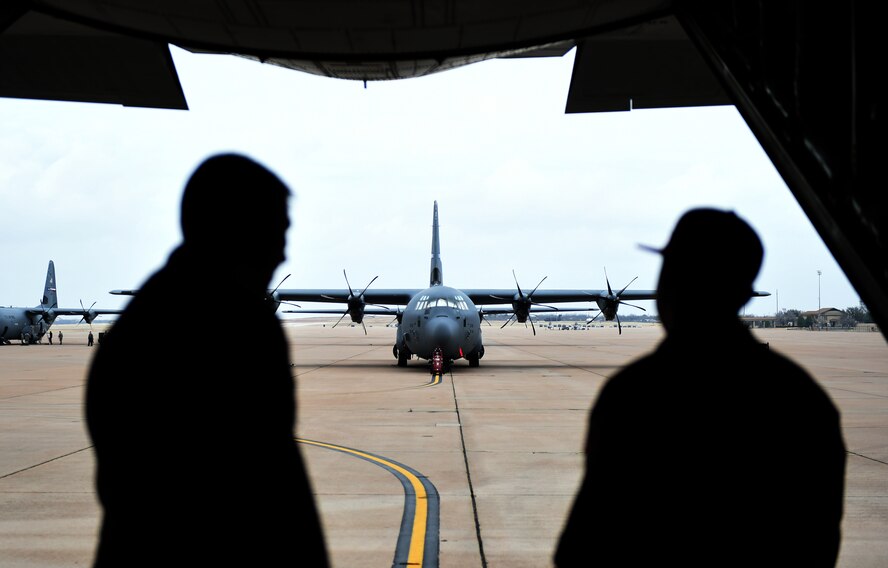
(437, 361)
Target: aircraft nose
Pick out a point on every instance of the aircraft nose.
(443, 333)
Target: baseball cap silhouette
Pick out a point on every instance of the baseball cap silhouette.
(717, 243)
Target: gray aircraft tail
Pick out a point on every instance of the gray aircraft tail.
(50, 298)
(437, 273)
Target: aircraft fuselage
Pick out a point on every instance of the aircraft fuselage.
(441, 317)
(18, 324)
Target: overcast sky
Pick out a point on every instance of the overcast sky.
(520, 184)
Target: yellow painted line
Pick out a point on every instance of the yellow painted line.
(436, 380)
(417, 537)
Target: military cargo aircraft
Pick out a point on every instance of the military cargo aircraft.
(29, 325)
(443, 324)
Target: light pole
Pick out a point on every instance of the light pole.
(818, 290)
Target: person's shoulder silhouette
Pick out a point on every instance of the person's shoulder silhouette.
(196, 461)
(713, 450)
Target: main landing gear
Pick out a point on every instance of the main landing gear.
(474, 359)
(402, 355)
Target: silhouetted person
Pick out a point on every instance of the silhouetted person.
(194, 440)
(89, 339)
(713, 450)
(61, 337)
(50, 337)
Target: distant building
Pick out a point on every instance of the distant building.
(825, 317)
(759, 321)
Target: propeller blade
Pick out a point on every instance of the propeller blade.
(537, 286)
(507, 321)
(368, 284)
(609, 291)
(626, 286)
(364, 326)
(279, 284)
(350, 291)
(619, 327)
(633, 306)
(593, 319)
(520, 293)
(340, 319)
(531, 325)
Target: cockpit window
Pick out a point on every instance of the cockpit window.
(456, 302)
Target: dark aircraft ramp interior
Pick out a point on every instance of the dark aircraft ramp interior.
(804, 76)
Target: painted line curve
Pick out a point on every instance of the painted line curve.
(420, 524)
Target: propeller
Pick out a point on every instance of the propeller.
(398, 316)
(44, 323)
(522, 303)
(611, 303)
(271, 296)
(356, 303)
(86, 316)
(43, 310)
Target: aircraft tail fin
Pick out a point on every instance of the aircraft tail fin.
(436, 277)
(50, 298)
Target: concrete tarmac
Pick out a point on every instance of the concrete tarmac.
(499, 445)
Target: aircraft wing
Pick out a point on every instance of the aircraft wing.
(537, 310)
(507, 295)
(86, 314)
(479, 296)
(367, 312)
(81, 311)
(73, 311)
(393, 296)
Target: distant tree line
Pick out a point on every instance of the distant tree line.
(853, 316)
(784, 318)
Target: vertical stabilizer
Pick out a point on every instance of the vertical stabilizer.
(437, 274)
(50, 299)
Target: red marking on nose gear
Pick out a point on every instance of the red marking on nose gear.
(461, 352)
(437, 361)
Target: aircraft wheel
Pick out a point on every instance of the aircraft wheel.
(26, 339)
(402, 359)
(474, 362)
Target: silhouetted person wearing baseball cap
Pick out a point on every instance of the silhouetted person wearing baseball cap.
(194, 442)
(713, 450)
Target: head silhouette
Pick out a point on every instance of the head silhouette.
(710, 261)
(234, 212)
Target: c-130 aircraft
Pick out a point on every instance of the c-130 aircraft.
(29, 325)
(443, 324)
